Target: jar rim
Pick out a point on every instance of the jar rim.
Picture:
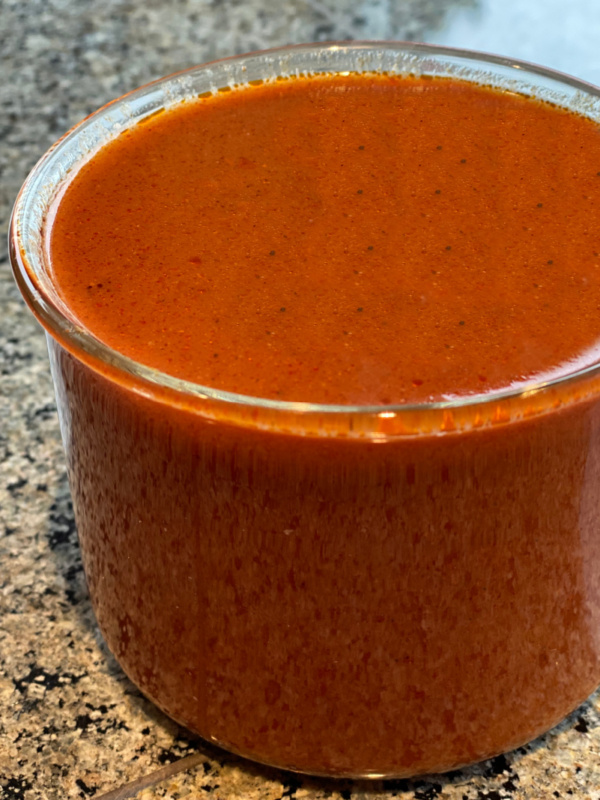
(52, 173)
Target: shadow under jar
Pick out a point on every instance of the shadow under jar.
(340, 590)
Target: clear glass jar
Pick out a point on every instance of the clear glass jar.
(348, 591)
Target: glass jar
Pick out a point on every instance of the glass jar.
(347, 591)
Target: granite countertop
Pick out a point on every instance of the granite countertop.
(71, 724)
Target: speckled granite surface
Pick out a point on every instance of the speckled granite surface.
(71, 724)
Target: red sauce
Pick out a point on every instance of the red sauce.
(342, 240)
(339, 604)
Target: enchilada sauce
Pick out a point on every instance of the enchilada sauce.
(342, 240)
(336, 604)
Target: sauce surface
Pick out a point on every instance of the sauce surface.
(348, 239)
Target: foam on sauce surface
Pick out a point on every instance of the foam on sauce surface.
(347, 239)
